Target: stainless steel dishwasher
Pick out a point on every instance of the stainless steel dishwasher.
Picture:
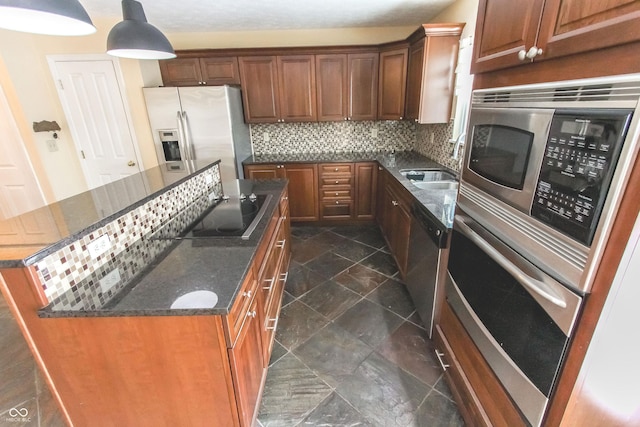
(427, 239)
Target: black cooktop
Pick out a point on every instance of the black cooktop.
(232, 217)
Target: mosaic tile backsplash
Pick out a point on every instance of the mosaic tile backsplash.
(441, 149)
(75, 280)
(333, 137)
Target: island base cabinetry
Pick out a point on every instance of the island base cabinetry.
(480, 397)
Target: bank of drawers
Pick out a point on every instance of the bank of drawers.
(336, 190)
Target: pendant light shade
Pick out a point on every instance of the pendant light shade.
(135, 38)
(58, 18)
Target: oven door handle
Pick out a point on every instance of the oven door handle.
(532, 284)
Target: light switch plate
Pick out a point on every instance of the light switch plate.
(374, 132)
(110, 280)
(265, 136)
(99, 246)
(52, 145)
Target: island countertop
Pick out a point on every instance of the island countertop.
(217, 265)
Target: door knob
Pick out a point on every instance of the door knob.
(131, 163)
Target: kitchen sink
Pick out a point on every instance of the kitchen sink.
(427, 175)
(436, 185)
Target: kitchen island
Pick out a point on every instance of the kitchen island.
(123, 348)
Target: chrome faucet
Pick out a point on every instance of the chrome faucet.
(459, 142)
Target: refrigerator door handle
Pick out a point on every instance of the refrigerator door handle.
(182, 142)
(188, 140)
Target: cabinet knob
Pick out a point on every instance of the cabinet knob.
(337, 202)
(252, 314)
(247, 294)
(204, 83)
(337, 193)
(337, 169)
(346, 118)
(337, 182)
(400, 117)
(394, 203)
(529, 54)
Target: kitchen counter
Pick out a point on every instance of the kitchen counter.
(439, 203)
(217, 265)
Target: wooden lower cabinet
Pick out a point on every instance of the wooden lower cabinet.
(480, 397)
(303, 186)
(336, 191)
(366, 179)
(395, 221)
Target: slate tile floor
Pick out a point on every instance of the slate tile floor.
(350, 349)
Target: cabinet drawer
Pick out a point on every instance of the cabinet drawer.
(273, 307)
(337, 180)
(240, 310)
(337, 193)
(338, 209)
(336, 168)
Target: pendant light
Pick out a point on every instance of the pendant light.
(135, 38)
(58, 18)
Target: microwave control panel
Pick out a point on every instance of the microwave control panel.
(580, 157)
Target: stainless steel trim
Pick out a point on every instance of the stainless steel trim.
(256, 220)
(532, 284)
(524, 393)
(181, 137)
(553, 252)
(564, 314)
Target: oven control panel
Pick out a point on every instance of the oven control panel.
(580, 157)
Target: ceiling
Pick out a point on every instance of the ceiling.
(248, 15)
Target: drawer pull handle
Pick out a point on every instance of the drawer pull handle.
(252, 314)
(439, 356)
(275, 324)
(284, 276)
(337, 182)
(281, 243)
(270, 282)
(247, 294)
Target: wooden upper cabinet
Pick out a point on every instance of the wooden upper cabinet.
(392, 84)
(574, 26)
(363, 86)
(210, 71)
(512, 33)
(260, 91)
(217, 71)
(433, 54)
(297, 74)
(503, 28)
(180, 72)
(332, 83)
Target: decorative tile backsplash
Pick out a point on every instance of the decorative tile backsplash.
(73, 278)
(441, 149)
(332, 137)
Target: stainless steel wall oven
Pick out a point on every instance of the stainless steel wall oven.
(543, 174)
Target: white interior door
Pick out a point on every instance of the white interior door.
(19, 188)
(93, 100)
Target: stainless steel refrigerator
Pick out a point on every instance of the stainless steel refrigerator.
(199, 123)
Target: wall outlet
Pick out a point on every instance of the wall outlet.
(431, 138)
(52, 145)
(99, 246)
(208, 179)
(110, 280)
(374, 132)
(266, 137)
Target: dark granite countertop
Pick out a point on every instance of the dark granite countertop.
(217, 265)
(79, 215)
(439, 203)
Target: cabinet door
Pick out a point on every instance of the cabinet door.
(264, 171)
(363, 86)
(503, 28)
(246, 365)
(574, 26)
(260, 90)
(303, 191)
(297, 74)
(181, 72)
(392, 86)
(366, 189)
(220, 71)
(380, 197)
(332, 82)
(414, 80)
